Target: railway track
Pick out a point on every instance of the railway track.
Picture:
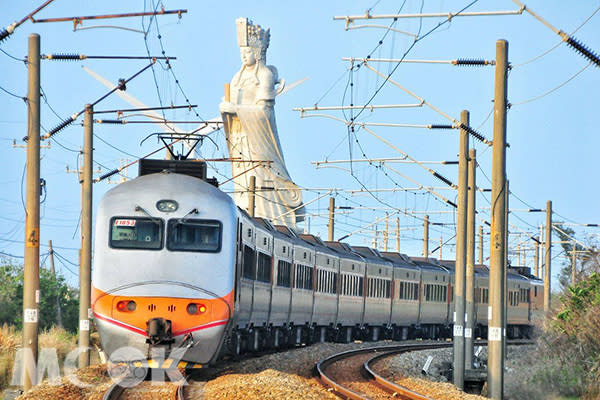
(349, 373)
(134, 386)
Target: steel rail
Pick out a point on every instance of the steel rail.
(350, 394)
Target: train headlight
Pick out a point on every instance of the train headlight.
(167, 205)
(194, 308)
(126, 306)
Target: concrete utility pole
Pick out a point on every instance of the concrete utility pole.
(536, 259)
(85, 262)
(542, 253)
(31, 286)
(461, 247)
(426, 237)
(573, 264)
(497, 237)
(397, 235)
(480, 244)
(470, 272)
(386, 232)
(252, 195)
(548, 257)
(331, 225)
(53, 270)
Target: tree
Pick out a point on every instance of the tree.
(52, 290)
(586, 259)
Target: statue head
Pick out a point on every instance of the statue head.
(252, 39)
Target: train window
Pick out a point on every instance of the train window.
(194, 235)
(304, 277)
(284, 276)
(334, 283)
(535, 291)
(249, 263)
(263, 268)
(136, 233)
(360, 286)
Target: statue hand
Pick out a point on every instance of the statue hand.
(227, 107)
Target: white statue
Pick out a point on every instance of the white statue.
(251, 132)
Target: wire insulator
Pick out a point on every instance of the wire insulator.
(452, 203)
(111, 121)
(583, 50)
(108, 174)
(66, 57)
(466, 62)
(441, 126)
(443, 179)
(4, 33)
(474, 133)
(59, 127)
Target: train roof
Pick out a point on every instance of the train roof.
(291, 235)
(431, 264)
(318, 243)
(399, 260)
(343, 248)
(369, 254)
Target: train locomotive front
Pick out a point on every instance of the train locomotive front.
(164, 268)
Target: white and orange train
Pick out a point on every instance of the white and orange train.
(178, 266)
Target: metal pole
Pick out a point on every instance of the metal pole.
(536, 259)
(548, 257)
(85, 265)
(518, 253)
(480, 244)
(497, 239)
(461, 246)
(386, 232)
(542, 253)
(252, 195)
(470, 258)
(398, 235)
(441, 245)
(31, 287)
(331, 225)
(426, 237)
(53, 271)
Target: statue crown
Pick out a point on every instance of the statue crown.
(250, 35)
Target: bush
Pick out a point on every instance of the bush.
(572, 342)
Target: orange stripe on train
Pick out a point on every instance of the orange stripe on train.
(210, 312)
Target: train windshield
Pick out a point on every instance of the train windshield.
(136, 233)
(194, 235)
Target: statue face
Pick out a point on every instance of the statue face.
(247, 55)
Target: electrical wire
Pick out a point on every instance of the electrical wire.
(13, 57)
(552, 90)
(12, 94)
(557, 44)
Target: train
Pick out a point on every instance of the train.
(180, 269)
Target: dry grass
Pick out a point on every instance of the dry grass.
(11, 339)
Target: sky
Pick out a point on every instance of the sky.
(551, 124)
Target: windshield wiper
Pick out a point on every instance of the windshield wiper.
(154, 219)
